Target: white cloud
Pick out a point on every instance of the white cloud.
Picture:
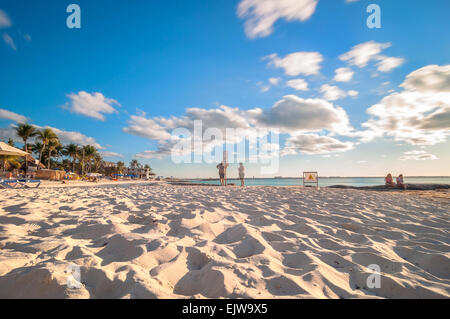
(429, 79)
(352, 93)
(141, 126)
(343, 75)
(265, 88)
(417, 156)
(332, 93)
(10, 133)
(92, 105)
(110, 154)
(157, 154)
(8, 115)
(361, 54)
(166, 148)
(160, 128)
(294, 114)
(9, 41)
(291, 115)
(416, 118)
(419, 115)
(5, 21)
(298, 84)
(307, 63)
(261, 15)
(274, 81)
(312, 144)
(387, 64)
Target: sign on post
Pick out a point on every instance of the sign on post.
(310, 178)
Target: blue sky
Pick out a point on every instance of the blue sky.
(142, 64)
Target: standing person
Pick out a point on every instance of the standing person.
(222, 172)
(242, 174)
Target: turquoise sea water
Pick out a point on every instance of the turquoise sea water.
(329, 181)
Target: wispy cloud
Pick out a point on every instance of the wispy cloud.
(307, 63)
(333, 93)
(5, 21)
(8, 115)
(111, 154)
(298, 84)
(9, 41)
(313, 144)
(361, 54)
(417, 156)
(261, 15)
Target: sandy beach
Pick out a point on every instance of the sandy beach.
(163, 241)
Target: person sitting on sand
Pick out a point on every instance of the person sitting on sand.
(389, 180)
(222, 172)
(242, 174)
(400, 182)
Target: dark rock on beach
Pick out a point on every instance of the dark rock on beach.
(414, 187)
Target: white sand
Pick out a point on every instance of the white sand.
(208, 242)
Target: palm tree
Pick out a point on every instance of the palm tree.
(120, 167)
(10, 142)
(36, 148)
(134, 163)
(52, 147)
(97, 161)
(89, 153)
(46, 136)
(66, 164)
(9, 162)
(26, 131)
(72, 150)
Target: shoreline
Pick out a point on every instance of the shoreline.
(412, 187)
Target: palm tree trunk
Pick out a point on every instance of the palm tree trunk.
(73, 165)
(40, 155)
(26, 159)
(49, 156)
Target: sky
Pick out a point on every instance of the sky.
(345, 99)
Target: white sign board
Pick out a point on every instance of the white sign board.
(310, 177)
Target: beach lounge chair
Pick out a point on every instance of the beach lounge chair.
(29, 183)
(19, 183)
(8, 183)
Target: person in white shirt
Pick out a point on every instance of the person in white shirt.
(242, 174)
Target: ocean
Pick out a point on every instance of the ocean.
(329, 181)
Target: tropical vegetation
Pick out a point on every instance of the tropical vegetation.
(47, 147)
